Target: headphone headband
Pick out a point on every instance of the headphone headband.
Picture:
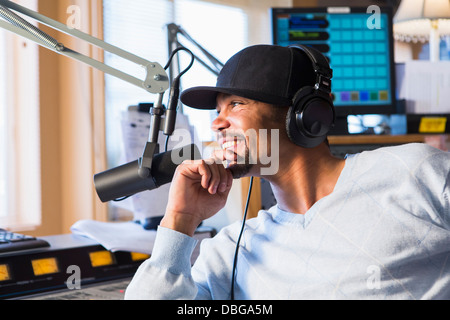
(321, 67)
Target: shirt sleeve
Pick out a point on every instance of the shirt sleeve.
(438, 178)
(167, 274)
(430, 177)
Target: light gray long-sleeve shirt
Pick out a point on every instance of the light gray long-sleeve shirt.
(383, 233)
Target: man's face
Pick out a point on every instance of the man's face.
(247, 132)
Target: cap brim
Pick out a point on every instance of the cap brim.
(201, 97)
(206, 97)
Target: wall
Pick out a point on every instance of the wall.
(72, 108)
(324, 3)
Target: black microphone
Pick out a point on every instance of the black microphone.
(126, 180)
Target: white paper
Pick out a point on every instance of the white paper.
(117, 236)
(427, 87)
(127, 236)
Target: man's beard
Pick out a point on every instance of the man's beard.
(242, 152)
(242, 167)
(239, 160)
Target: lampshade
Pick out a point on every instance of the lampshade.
(415, 19)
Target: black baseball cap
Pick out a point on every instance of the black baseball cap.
(266, 73)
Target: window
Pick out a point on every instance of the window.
(19, 132)
(3, 131)
(140, 29)
(227, 33)
(221, 27)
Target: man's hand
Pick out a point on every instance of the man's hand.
(199, 190)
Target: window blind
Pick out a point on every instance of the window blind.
(140, 28)
(19, 131)
(3, 129)
(222, 30)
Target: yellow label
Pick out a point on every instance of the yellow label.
(44, 266)
(433, 125)
(101, 258)
(4, 273)
(136, 256)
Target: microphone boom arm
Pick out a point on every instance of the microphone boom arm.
(173, 30)
(156, 80)
(153, 168)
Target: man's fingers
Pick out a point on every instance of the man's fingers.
(206, 174)
(214, 177)
(224, 181)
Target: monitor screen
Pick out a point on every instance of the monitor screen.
(359, 46)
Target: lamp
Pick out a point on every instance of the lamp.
(422, 20)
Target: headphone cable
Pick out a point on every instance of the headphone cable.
(233, 275)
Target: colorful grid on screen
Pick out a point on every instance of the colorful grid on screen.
(360, 60)
(359, 55)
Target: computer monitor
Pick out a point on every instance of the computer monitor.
(359, 46)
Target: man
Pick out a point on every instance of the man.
(373, 226)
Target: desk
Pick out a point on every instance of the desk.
(110, 290)
(39, 271)
(381, 139)
(53, 272)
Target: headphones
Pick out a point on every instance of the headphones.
(312, 114)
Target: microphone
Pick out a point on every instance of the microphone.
(127, 180)
(150, 171)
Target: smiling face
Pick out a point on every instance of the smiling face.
(248, 133)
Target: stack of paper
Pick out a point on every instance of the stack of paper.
(117, 236)
(426, 87)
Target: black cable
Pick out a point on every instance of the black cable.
(233, 275)
(166, 145)
(121, 199)
(173, 54)
(173, 103)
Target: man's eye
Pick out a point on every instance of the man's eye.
(236, 103)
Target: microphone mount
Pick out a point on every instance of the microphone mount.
(159, 123)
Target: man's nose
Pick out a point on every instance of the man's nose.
(220, 123)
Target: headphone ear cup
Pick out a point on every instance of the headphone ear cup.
(310, 118)
(291, 126)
